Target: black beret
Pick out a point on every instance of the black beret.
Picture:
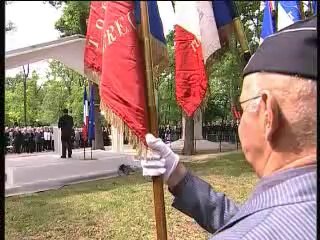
(291, 51)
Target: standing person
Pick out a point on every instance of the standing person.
(46, 137)
(31, 140)
(66, 125)
(38, 140)
(18, 141)
(25, 145)
(278, 137)
(42, 142)
(51, 139)
(168, 134)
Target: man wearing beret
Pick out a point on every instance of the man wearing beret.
(278, 137)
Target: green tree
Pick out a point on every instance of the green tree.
(73, 19)
(14, 111)
(54, 101)
(251, 19)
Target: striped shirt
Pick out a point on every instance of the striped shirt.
(282, 206)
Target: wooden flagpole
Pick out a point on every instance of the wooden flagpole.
(240, 34)
(158, 195)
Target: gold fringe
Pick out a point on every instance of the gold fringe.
(160, 59)
(117, 122)
(159, 56)
(92, 75)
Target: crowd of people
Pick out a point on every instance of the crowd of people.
(29, 139)
(225, 131)
(40, 139)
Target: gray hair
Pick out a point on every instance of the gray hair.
(297, 98)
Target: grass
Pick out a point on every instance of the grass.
(119, 208)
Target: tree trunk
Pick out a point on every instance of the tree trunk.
(98, 142)
(188, 148)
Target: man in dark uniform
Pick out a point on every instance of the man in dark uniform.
(66, 125)
(278, 138)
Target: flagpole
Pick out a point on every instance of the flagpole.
(158, 194)
(240, 34)
(301, 10)
(91, 149)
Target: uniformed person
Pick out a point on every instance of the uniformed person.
(66, 125)
(278, 138)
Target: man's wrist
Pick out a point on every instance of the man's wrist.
(177, 175)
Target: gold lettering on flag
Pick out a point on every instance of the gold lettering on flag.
(195, 44)
(119, 28)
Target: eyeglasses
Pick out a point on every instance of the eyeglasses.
(239, 108)
(249, 99)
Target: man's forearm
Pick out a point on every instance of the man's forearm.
(197, 199)
(177, 175)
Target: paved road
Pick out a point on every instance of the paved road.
(28, 173)
(43, 171)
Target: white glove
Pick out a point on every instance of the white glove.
(164, 160)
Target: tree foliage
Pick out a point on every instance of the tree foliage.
(225, 73)
(73, 19)
(14, 99)
(63, 87)
(10, 26)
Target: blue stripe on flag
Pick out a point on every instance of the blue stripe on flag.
(292, 9)
(314, 7)
(268, 26)
(91, 133)
(223, 12)
(156, 28)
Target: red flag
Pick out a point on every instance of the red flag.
(196, 39)
(122, 85)
(93, 48)
(236, 114)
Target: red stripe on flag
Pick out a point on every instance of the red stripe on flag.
(85, 129)
(191, 79)
(122, 86)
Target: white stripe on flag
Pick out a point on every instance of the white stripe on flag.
(284, 19)
(197, 17)
(85, 111)
(208, 29)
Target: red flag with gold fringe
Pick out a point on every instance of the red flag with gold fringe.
(122, 86)
(115, 56)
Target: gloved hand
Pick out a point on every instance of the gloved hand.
(164, 160)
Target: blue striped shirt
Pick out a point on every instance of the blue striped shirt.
(282, 206)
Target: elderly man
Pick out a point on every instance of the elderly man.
(278, 137)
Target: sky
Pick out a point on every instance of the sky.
(35, 21)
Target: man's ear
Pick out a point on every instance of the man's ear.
(271, 114)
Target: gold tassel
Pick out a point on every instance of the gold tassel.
(160, 59)
(117, 122)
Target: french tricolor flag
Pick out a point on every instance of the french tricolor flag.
(85, 115)
(196, 39)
